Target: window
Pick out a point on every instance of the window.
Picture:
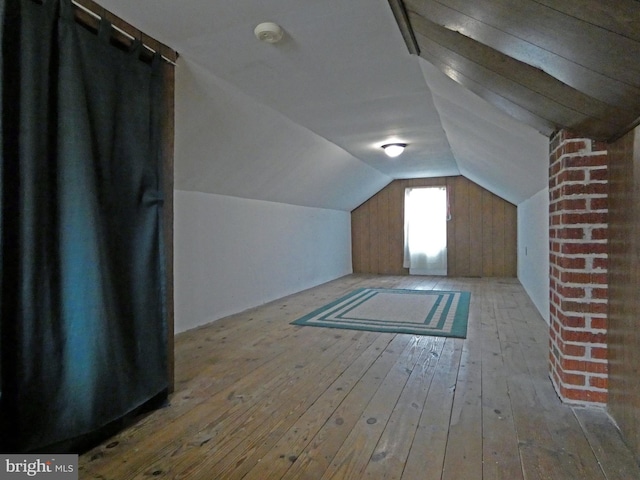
(425, 230)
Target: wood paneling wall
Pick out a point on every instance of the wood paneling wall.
(624, 281)
(481, 235)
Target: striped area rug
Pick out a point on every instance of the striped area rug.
(418, 312)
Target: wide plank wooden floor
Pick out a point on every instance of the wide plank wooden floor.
(258, 398)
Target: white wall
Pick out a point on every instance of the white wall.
(232, 254)
(533, 249)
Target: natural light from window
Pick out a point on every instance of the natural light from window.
(426, 230)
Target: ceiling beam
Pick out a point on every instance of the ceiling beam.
(399, 11)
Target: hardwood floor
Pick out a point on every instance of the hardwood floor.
(258, 398)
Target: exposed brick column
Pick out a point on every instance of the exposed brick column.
(578, 233)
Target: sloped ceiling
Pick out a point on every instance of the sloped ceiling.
(302, 121)
(485, 140)
(550, 63)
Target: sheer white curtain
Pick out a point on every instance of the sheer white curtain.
(425, 230)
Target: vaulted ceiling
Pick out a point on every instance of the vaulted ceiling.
(302, 121)
(549, 63)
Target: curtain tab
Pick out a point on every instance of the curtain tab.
(66, 8)
(104, 30)
(136, 47)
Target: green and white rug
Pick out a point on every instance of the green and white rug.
(419, 312)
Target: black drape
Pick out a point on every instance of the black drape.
(83, 329)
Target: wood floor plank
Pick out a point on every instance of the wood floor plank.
(426, 456)
(391, 452)
(316, 459)
(278, 409)
(501, 455)
(275, 462)
(259, 398)
(228, 408)
(607, 444)
(353, 456)
(463, 457)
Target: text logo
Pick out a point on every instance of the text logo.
(50, 467)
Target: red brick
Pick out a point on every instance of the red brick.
(572, 321)
(574, 350)
(599, 174)
(575, 277)
(575, 146)
(600, 234)
(584, 277)
(600, 293)
(578, 336)
(575, 307)
(599, 382)
(600, 353)
(600, 263)
(572, 204)
(571, 262)
(585, 189)
(599, 203)
(592, 218)
(572, 379)
(571, 176)
(571, 292)
(599, 160)
(598, 323)
(583, 366)
(571, 233)
(584, 248)
(591, 396)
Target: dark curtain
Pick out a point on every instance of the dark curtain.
(83, 329)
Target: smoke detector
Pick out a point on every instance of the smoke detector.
(269, 32)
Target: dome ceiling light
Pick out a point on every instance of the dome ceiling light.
(394, 149)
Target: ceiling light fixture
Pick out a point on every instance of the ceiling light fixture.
(394, 149)
(269, 32)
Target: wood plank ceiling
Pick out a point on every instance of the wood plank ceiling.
(552, 64)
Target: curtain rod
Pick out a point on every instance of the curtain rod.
(123, 32)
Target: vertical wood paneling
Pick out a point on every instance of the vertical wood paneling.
(358, 248)
(481, 234)
(374, 232)
(461, 218)
(487, 235)
(451, 230)
(168, 135)
(511, 240)
(383, 240)
(396, 228)
(475, 231)
(498, 236)
(624, 279)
